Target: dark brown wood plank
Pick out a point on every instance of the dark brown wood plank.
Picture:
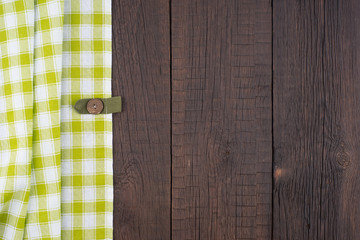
(221, 119)
(142, 159)
(316, 119)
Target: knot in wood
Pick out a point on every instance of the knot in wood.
(343, 159)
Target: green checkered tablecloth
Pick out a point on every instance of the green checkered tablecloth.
(55, 164)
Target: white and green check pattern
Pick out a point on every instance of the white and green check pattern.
(86, 152)
(55, 164)
(16, 114)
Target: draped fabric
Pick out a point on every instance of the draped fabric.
(55, 164)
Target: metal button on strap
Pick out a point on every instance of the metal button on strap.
(98, 105)
(95, 106)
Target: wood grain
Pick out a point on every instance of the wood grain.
(221, 119)
(142, 159)
(316, 110)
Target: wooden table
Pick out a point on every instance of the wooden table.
(240, 119)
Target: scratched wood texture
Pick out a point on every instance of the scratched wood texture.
(239, 121)
(221, 119)
(316, 83)
(142, 154)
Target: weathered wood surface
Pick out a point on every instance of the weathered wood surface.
(221, 119)
(316, 49)
(142, 159)
(207, 123)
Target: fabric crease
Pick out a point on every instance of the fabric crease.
(55, 164)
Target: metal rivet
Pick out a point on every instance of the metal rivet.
(95, 106)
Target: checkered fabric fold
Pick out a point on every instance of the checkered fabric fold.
(55, 164)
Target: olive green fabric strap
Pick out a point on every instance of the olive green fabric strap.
(111, 105)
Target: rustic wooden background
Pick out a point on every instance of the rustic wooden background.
(240, 119)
